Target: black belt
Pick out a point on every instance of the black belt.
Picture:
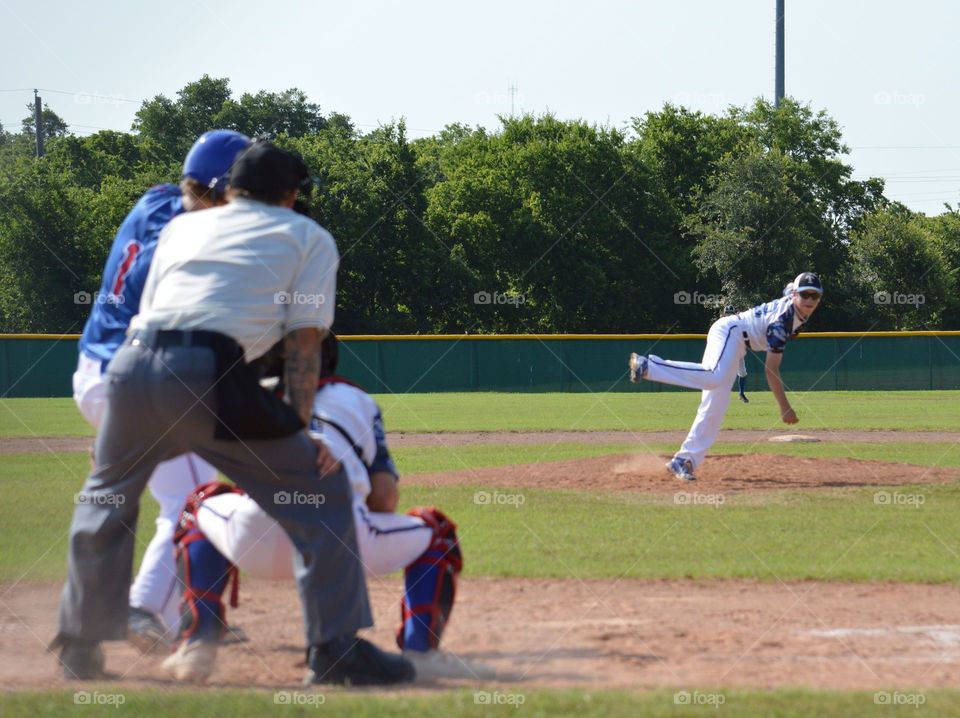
(156, 338)
(746, 341)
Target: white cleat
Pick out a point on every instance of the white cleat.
(681, 468)
(638, 368)
(192, 662)
(440, 664)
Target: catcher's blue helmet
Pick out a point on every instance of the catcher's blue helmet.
(211, 157)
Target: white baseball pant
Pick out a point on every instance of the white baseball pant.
(714, 375)
(247, 536)
(155, 587)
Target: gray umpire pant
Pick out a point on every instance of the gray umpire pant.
(161, 403)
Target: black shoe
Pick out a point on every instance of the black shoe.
(80, 660)
(353, 661)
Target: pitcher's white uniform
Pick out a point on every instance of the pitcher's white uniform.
(766, 327)
(388, 542)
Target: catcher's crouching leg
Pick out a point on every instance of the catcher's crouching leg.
(430, 584)
(204, 573)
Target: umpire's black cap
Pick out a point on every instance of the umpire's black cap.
(264, 167)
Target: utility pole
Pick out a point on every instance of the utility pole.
(38, 120)
(779, 90)
(513, 92)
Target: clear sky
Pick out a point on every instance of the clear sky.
(888, 71)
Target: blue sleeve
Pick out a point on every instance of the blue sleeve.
(780, 330)
(382, 461)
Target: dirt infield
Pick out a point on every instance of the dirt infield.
(719, 473)
(599, 633)
(45, 444)
(589, 634)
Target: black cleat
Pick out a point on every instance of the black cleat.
(353, 661)
(80, 660)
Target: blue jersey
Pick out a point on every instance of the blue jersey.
(125, 272)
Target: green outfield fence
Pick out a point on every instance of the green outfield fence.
(33, 365)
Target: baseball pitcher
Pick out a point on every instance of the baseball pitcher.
(767, 327)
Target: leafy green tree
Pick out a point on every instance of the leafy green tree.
(109, 155)
(746, 228)
(782, 201)
(944, 230)
(901, 270)
(174, 125)
(52, 124)
(272, 113)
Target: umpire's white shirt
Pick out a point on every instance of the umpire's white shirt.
(249, 270)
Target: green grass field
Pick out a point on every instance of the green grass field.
(837, 534)
(788, 533)
(600, 704)
(903, 410)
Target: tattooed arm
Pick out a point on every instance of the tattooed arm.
(302, 369)
(301, 372)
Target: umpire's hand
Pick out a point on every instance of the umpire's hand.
(326, 463)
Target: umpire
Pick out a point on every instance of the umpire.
(225, 285)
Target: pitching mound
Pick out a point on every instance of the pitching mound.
(720, 472)
(573, 633)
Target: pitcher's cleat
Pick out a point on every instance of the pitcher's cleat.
(681, 468)
(638, 368)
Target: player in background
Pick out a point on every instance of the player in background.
(766, 327)
(742, 366)
(202, 186)
(222, 530)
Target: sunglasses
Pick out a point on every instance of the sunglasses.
(810, 295)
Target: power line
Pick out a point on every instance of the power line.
(907, 147)
(114, 98)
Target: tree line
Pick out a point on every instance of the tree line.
(542, 225)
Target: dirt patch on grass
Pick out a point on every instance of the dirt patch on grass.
(719, 473)
(589, 634)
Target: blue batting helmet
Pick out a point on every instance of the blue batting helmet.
(211, 157)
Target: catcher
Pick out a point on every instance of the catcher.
(222, 530)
